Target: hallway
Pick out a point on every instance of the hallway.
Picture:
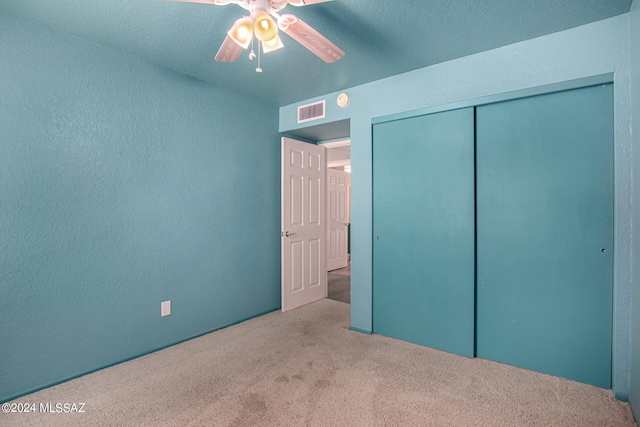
(340, 284)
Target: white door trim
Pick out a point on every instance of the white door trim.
(334, 144)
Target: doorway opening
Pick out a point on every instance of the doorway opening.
(339, 220)
(310, 157)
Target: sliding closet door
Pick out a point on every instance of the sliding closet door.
(544, 233)
(423, 225)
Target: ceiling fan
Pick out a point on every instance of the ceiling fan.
(260, 26)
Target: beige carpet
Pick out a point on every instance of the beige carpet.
(305, 367)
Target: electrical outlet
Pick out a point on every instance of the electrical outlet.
(165, 308)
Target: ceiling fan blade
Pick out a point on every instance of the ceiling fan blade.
(305, 2)
(195, 1)
(216, 2)
(229, 51)
(304, 34)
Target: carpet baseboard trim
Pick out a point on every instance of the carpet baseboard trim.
(73, 377)
(620, 396)
(634, 404)
(364, 331)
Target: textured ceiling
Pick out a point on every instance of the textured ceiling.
(380, 37)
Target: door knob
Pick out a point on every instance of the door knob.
(288, 234)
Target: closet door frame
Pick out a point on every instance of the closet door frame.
(620, 359)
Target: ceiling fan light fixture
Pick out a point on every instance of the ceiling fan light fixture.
(271, 45)
(261, 27)
(265, 29)
(242, 31)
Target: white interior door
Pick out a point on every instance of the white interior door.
(338, 219)
(304, 273)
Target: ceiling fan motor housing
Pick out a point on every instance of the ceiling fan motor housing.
(267, 6)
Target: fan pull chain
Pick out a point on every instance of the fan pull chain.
(259, 70)
(252, 54)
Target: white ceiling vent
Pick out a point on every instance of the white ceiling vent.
(310, 112)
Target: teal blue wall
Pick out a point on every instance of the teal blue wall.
(634, 31)
(590, 50)
(123, 185)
